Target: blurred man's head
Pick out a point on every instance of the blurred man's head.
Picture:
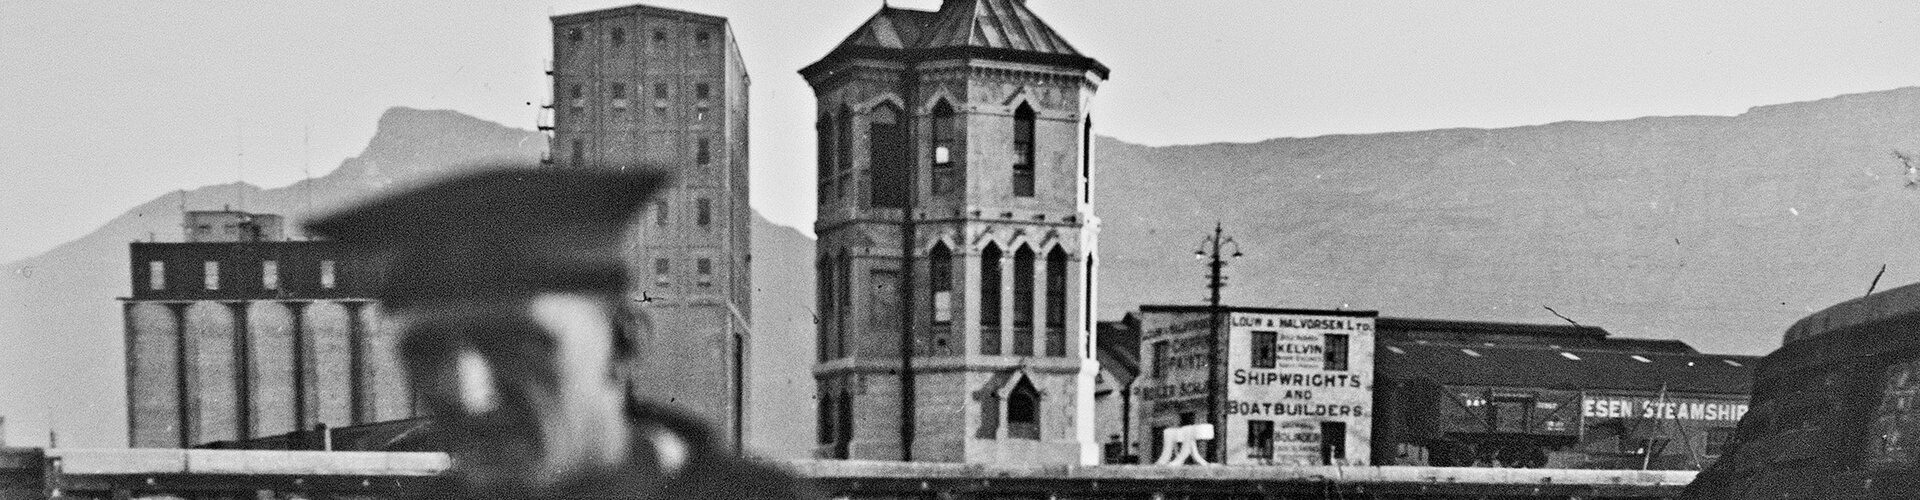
(506, 287)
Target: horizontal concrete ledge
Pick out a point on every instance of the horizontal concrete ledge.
(416, 464)
(861, 469)
(248, 462)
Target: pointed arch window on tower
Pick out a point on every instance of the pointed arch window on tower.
(1057, 302)
(1023, 301)
(990, 300)
(1023, 411)
(940, 280)
(946, 159)
(843, 151)
(1023, 155)
(887, 157)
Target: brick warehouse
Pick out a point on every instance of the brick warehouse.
(646, 87)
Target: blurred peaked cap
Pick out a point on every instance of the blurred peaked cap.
(501, 232)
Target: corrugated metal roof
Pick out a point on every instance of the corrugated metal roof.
(1569, 368)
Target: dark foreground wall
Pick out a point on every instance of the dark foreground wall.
(1836, 410)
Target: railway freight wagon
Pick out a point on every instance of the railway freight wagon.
(1835, 411)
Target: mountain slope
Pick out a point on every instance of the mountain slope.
(65, 356)
(780, 392)
(1715, 230)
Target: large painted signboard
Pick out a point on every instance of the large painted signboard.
(1299, 389)
(1172, 388)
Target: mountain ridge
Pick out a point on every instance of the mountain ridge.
(1610, 221)
(1716, 230)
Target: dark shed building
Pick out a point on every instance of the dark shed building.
(1460, 393)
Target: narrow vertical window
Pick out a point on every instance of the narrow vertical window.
(156, 275)
(1264, 349)
(660, 213)
(578, 94)
(887, 158)
(1023, 301)
(945, 173)
(211, 272)
(823, 147)
(617, 36)
(1056, 302)
(823, 417)
(1023, 411)
(990, 300)
(703, 266)
(270, 275)
(1086, 306)
(579, 153)
(823, 279)
(327, 274)
(940, 280)
(843, 425)
(1336, 352)
(843, 150)
(617, 92)
(704, 216)
(702, 151)
(1023, 150)
(1086, 160)
(843, 282)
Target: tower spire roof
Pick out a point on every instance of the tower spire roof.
(997, 24)
(1003, 28)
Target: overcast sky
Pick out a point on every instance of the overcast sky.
(105, 105)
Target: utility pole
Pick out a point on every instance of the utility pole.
(1210, 248)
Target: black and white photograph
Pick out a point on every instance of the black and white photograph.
(959, 249)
